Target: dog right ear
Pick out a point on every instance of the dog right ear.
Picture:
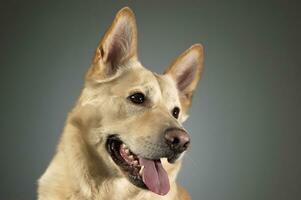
(117, 47)
(186, 71)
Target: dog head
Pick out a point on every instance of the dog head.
(131, 116)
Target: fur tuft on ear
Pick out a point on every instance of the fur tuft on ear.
(117, 47)
(186, 71)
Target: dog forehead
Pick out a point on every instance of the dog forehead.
(156, 85)
(138, 79)
(168, 89)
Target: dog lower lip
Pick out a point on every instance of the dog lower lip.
(173, 158)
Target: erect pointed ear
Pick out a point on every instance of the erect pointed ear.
(186, 71)
(117, 47)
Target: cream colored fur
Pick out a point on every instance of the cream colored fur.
(81, 168)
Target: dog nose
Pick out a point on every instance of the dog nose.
(177, 139)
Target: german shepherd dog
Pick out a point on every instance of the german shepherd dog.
(124, 138)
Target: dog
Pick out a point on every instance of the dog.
(124, 137)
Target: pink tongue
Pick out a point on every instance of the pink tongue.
(154, 176)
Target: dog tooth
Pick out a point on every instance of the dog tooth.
(131, 157)
(141, 170)
(127, 151)
(135, 162)
(123, 146)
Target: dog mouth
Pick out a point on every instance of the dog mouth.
(142, 172)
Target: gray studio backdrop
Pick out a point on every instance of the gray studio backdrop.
(245, 119)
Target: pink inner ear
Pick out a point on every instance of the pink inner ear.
(114, 56)
(120, 45)
(186, 77)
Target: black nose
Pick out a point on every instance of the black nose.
(177, 139)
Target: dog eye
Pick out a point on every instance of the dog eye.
(175, 112)
(137, 98)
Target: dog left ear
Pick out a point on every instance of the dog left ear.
(117, 47)
(186, 71)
